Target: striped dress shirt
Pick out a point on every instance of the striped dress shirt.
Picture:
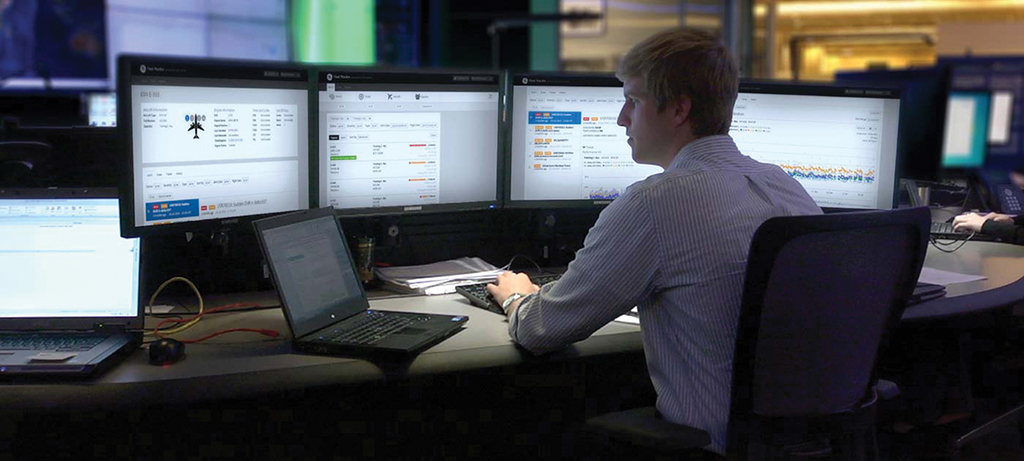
(675, 245)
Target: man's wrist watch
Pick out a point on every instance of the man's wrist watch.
(509, 300)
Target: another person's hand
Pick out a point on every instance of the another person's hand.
(972, 222)
(511, 282)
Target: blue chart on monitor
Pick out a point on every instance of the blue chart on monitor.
(604, 194)
(833, 174)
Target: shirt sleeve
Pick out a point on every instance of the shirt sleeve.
(1007, 232)
(615, 269)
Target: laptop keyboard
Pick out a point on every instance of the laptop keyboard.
(45, 342)
(373, 327)
(478, 295)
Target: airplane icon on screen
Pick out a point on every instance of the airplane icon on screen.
(195, 126)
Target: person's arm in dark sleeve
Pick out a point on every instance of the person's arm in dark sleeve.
(1010, 232)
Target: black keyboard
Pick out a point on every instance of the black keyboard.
(942, 227)
(478, 295)
(49, 342)
(944, 230)
(373, 327)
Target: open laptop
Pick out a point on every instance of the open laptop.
(323, 299)
(69, 284)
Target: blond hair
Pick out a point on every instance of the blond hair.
(687, 63)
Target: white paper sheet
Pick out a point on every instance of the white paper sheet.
(946, 278)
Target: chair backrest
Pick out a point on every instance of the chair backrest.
(820, 293)
(24, 163)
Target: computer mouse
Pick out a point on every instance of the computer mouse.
(165, 351)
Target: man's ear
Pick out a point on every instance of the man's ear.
(681, 110)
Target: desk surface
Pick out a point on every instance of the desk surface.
(241, 365)
(1001, 264)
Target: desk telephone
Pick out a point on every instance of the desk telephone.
(1002, 195)
(1008, 199)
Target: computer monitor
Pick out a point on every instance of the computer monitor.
(1000, 118)
(101, 109)
(408, 142)
(839, 142)
(209, 142)
(923, 94)
(966, 131)
(567, 149)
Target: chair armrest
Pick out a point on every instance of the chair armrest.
(640, 426)
(887, 390)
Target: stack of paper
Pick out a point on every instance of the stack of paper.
(437, 278)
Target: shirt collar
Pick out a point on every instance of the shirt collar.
(705, 151)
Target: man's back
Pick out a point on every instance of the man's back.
(676, 246)
(716, 199)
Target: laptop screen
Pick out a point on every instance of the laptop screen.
(66, 258)
(314, 273)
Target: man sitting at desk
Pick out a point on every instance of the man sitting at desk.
(674, 244)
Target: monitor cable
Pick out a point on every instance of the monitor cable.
(189, 323)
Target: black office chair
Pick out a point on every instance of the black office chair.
(820, 294)
(25, 164)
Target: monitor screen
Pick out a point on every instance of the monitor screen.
(208, 142)
(1000, 118)
(838, 142)
(64, 257)
(403, 142)
(966, 130)
(102, 108)
(235, 29)
(53, 44)
(566, 146)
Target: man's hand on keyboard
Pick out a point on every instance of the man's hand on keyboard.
(972, 222)
(508, 283)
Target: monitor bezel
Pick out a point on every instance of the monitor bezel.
(318, 76)
(575, 79)
(126, 63)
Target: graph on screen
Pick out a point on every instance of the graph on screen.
(829, 173)
(602, 193)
